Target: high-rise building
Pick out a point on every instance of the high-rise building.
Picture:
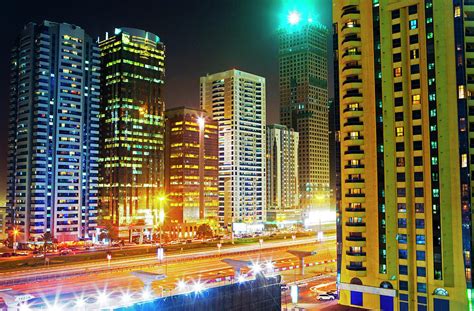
(283, 206)
(236, 100)
(53, 132)
(406, 114)
(191, 166)
(132, 126)
(304, 103)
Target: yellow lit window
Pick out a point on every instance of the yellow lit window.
(457, 11)
(461, 92)
(399, 131)
(464, 160)
(415, 99)
(397, 72)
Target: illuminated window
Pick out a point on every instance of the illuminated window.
(464, 160)
(415, 99)
(413, 24)
(457, 11)
(399, 131)
(397, 72)
(461, 92)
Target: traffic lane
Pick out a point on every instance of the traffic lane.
(191, 272)
(149, 258)
(176, 269)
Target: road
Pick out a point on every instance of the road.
(141, 261)
(122, 285)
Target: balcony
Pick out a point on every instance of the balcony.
(355, 210)
(355, 224)
(350, 38)
(354, 137)
(355, 238)
(352, 81)
(354, 166)
(359, 180)
(356, 268)
(349, 152)
(350, 11)
(359, 254)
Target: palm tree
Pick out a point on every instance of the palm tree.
(47, 238)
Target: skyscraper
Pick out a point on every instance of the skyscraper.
(405, 92)
(282, 176)
(236, 100)
(132, 125)
(304, 102)
(191, 167)
(53, 132)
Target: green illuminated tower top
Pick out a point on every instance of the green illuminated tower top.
(304, 101)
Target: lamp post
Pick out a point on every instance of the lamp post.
(15, 233)
(161, 215)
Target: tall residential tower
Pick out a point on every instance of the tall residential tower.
(303, 66)
(53, 132)
(283, 206)
(407, 117)
(236, 100)
(132, 126)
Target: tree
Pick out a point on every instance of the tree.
(204, 231)
(109, 232)
(47, 238)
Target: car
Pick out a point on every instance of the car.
(6, 254)
(332, 293)
(325, 297)
(38, 255)
(284, 287)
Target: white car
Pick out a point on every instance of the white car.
(324, 297)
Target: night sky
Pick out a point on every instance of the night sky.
(201, 36)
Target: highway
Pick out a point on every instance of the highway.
(198, 267)
(142, 261)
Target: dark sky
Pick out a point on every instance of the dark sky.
(201, 36)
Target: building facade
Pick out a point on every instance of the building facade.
(3, 224)
(283, 206)
(304, 103)
(132, 126)
(236, 100)
(191, 166)
(406, 104)
(53, 132)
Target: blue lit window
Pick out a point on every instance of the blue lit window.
(402, 222)
(402, 254)
(420, 239)
(421, 271)
(402, 238)
(403, 269)
(404, 297)
(422, 299)
(420, 223)
(420, 255)
(403, 285)
(421, 287)
(419, 207)
(413, 24)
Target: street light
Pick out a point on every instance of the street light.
(15, 233)
(161, 214)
